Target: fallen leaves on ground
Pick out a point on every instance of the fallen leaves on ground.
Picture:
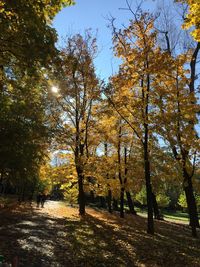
(56, 236)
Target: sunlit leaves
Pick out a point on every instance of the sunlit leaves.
(193, 17)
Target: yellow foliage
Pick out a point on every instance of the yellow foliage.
(193, 17)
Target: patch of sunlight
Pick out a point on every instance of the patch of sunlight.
(102, 244)
(28, 223)
(24, 231)
(140, 264)
(99, 226)
(88, 231)
(107, 254)
(61, 234)
(34, 243)
(80, 238)
(34, 239)
(126, 246)
(50, 221)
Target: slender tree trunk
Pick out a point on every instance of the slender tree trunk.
(130, 203)
(110, 201)
(192, 91)
(92, 198)
(122, 202)
(1, 182)
(193, 68)
(109, 197)
(102, 202)
(120, 174)
(81, 195)
(191, 203)
(23, 193)
(115, 204)
(188, 187)
(128, 195)
(150, 222)
(187, 180)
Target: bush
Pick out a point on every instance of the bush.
(162, 200)
(141, 197)
(182, 201)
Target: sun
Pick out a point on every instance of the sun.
(54, 89)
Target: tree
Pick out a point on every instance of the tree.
(27, 48)
(24, 132)
(184, 82)
(27, 38)
(133, 91)
(79, 90)
(177, 117)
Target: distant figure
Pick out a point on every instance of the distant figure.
(42, 199)
(39, 195)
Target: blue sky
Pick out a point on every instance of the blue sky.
(92, 14)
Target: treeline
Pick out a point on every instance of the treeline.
(27, 57)
(136, 133)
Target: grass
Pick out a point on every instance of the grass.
(176, 216)
(171, 216)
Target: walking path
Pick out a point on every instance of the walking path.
(35, 235)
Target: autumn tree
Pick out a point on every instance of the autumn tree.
(27, 48)
(183, 72)
(133, 90)
(78, 92)
(24, 131)
(177, 107)
(117, 140)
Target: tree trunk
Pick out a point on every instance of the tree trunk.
(191, 203)
(110, 201)
(122, 202)
(145, 95)
(102, 202)
(109, 197)
(119, 173)
(130, 203)
(79, 152)
(150, 223)
(23, 193)
(81, 195)
(115, 204)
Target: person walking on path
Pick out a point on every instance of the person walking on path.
(43, 199)
(39, 195)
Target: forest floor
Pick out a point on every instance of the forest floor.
(56, 236)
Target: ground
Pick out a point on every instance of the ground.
(56, 236)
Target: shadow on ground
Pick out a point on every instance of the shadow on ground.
(98, 239)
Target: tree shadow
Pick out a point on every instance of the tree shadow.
(41, 240)
(119, 242)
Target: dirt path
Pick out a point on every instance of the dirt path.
(36, 236)
(56, 236)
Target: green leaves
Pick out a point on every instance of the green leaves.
(27, 40)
